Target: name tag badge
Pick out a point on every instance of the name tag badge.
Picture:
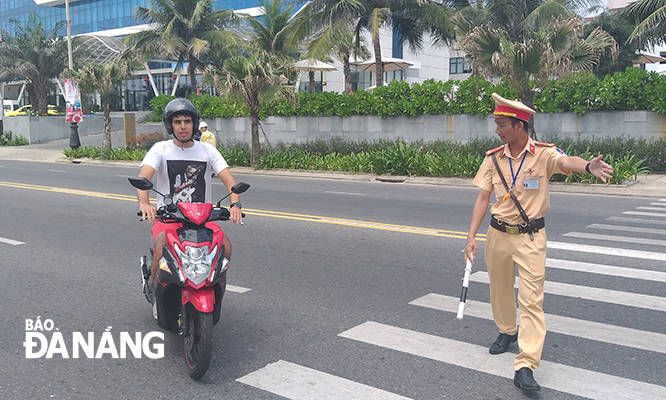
(531, 183)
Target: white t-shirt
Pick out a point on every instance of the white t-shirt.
(184, 172)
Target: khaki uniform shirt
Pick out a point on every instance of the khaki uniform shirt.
(539, 165)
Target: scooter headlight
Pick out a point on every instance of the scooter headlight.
(196, 262)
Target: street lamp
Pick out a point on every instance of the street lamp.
(74, 141)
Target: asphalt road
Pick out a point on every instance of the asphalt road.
(322, 258)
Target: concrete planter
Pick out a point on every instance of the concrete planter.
(427, 128)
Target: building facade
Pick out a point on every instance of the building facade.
(104, 22)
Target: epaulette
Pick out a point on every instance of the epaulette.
(545, 144)
(489, 152)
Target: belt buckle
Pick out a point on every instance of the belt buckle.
(512, 230)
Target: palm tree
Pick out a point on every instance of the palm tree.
(620, 27)
(650, 16)
(254, 78)
(541, 41)
(412, 19)
(341, 45)
(185, 30)
(103, 78)
(276, 31)
(34, 55)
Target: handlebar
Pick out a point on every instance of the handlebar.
(163, 214)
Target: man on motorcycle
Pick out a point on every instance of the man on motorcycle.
(171, 160)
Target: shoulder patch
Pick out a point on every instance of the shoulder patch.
(545, 144)
(489, 152)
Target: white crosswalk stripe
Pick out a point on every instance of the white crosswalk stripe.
(638, 220)
(611, 251)
(635, 273)
(648, 214)
(591, 293)
(651, 209)
(621, 228)
(296, 382)
(624, 239)
(560, 377)
(11, 241)
(629, 337)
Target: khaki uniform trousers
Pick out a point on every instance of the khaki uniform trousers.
(503, 252)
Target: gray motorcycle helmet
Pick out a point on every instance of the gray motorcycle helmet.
(179, 106)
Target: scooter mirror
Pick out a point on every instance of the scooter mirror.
(240, 187)
(141, 183)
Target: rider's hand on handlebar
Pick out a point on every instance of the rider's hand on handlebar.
(236, 215)
(148, 212)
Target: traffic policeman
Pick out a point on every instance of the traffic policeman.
(518, 172)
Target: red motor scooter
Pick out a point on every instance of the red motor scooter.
(192, 273)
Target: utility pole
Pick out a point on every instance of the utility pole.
(74, 141)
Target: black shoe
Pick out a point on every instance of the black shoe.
(502, 343)
(524, 380)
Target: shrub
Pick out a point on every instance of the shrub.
(6, 139)
(145, 140)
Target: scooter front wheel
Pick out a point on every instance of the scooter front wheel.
(198, 342)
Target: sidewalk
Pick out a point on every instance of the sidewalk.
(652, 185)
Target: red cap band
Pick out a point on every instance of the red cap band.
(512, 112)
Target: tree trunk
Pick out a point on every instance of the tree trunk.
(346, 70)
(311, 88)
(527, 98)
(106, 138)
(256, 146)
(379, 67)
(191, 71)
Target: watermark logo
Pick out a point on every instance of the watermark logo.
(43, 339)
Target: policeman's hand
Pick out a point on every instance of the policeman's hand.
(148, 212)
(236, 215)
(470, 251)
(600, 169)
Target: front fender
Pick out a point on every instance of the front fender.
(202, 299)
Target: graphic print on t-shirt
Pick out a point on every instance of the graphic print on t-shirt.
(187, 181)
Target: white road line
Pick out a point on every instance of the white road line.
(639, 220)
(11, 241)
(622, 228)
(56, 170)
(647, 214)
(658, 204)
(296, 382)
(345, 193)
(644, 340)
(651, 208)
(237, 289)
(613, 238)
(634, 273)
(551, 375)
(610, 251)
(592, 293)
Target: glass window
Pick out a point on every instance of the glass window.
(458, 65)
(359, 79)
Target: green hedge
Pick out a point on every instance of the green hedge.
(634, 89)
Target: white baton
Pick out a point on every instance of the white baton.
(463, 293)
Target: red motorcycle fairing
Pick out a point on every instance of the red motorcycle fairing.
(173, 240)
(198, 213)
(202, 299)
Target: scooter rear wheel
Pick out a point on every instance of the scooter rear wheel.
(198, 342)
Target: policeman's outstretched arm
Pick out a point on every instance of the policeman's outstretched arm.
(147, 209)
(595, 167)
(480, 208)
